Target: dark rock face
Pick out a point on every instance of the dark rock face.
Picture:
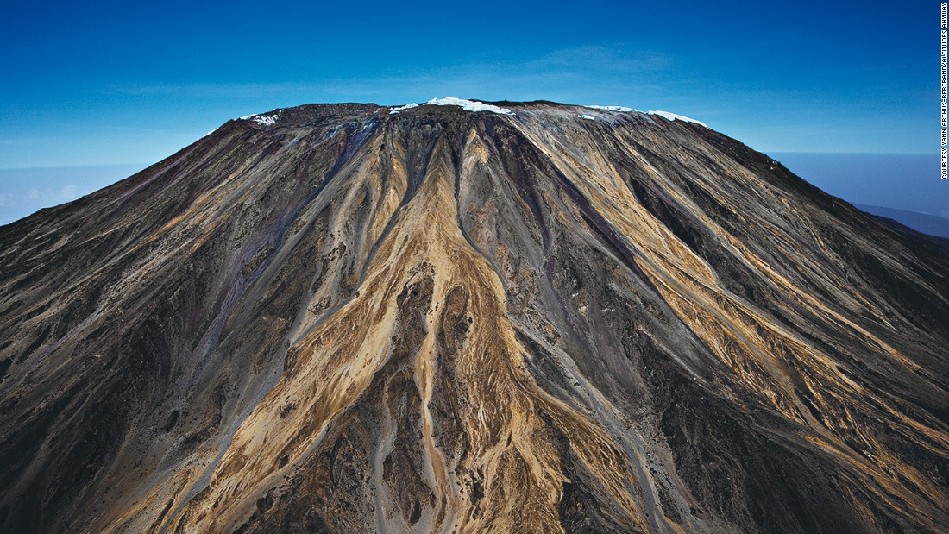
(341, 319)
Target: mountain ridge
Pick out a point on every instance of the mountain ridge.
(341, 318)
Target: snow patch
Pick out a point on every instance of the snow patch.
(469, 105)
(590, 117)
(610, 108)
(673, 117)
(393, 111)
(266, 120)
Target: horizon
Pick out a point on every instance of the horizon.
(145, 164)
(857, 178)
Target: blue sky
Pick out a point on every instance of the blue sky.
(109, 82)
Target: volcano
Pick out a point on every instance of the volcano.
(464, 317)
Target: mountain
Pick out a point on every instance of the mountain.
(921, 222)
(467, 317)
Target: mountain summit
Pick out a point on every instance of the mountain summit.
(462, 317)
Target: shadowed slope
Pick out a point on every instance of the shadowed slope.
(351, 320)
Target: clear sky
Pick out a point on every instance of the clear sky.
(109, 82)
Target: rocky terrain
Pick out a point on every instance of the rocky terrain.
(517, 317)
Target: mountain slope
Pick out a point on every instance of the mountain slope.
(343, 318)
